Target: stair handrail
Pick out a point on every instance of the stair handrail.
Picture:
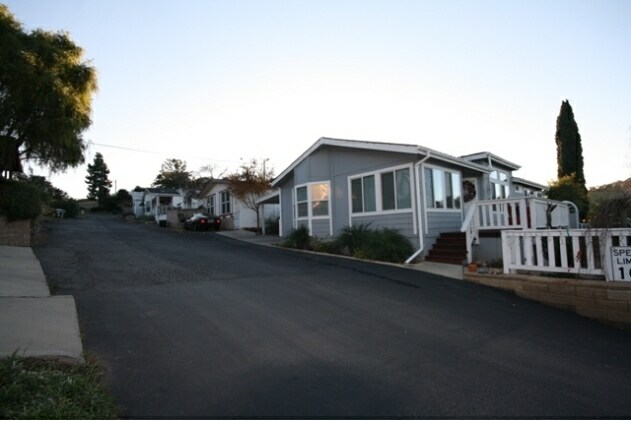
(470, 229)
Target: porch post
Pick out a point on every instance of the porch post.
(527, 217)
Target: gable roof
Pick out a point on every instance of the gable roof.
(492, 157)
(208, 186)
(528, 183)
(410, 149)
(162, 191)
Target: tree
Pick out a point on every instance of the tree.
(569, 148)
(570, 184)
(123, 196)
(49, 192)
(567, 188)
(204, 175)
(610, 205)
(173, 174)
(46, 91)
(97, 180)
(249, 183)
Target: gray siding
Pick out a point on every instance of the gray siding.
(336, 165)
(321, 227)
(438, 222)
(489, 249)
(345, 163)
(286, 207)
(403, 222)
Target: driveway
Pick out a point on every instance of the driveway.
(195, 325)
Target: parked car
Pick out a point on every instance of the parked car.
(202, 222)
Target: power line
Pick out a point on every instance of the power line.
(125, 148)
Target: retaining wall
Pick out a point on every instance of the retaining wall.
(604, 301)
(15, 233)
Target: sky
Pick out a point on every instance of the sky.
(222, 82)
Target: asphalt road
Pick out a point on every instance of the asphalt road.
(194, 325)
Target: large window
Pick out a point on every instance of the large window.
(382, 191)
(499, 184)
(312, 200)
(226, 206)
(302, 202)
(442, 189)
(211, 205)
(363, 194)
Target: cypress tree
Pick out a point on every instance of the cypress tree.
(97, 180)
(571, 178)
(569, 149)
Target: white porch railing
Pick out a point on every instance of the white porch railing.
(579, 251)
(519, 213)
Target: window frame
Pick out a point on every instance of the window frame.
(496, 180)
(225, 203)
(309, 201)
(378, 186)
(212, 205)
(444, 171)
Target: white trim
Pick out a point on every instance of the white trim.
(379, 146)
(451, 210)
(438, 210)
(280, 212)
(491, 156)
(310, 218)
(379, 192)
(230, 202)
(527, 183)
(425, 224)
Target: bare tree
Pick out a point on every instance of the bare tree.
(249, 183)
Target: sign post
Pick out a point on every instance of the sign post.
(621, 263)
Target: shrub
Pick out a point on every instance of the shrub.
(299, 238)
(272, 225)
(614, 212)
(352, 238)
(20, 200)
(387, 245)
(71, 207)
(326, 246)
(567, 188)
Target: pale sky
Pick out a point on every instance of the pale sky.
(217, 82)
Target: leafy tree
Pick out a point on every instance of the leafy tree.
(567, 188)
(173, 174)
(249, 183)
(19, 200)
(123, 196)
(569, 148)
(47, 190)
(46, 90)
(71, 207)
(610, 205)
(97, 180)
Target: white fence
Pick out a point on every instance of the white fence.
(579, 251)
(520, 213)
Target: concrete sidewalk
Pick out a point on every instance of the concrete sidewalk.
(32, 322)
(251, 237)
(442, 269)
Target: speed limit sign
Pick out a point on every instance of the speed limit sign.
(621, 261)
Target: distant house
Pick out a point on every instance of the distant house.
(157, 200)
(190, 198)
(423, 193)
(218, 200)
(137, 202)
